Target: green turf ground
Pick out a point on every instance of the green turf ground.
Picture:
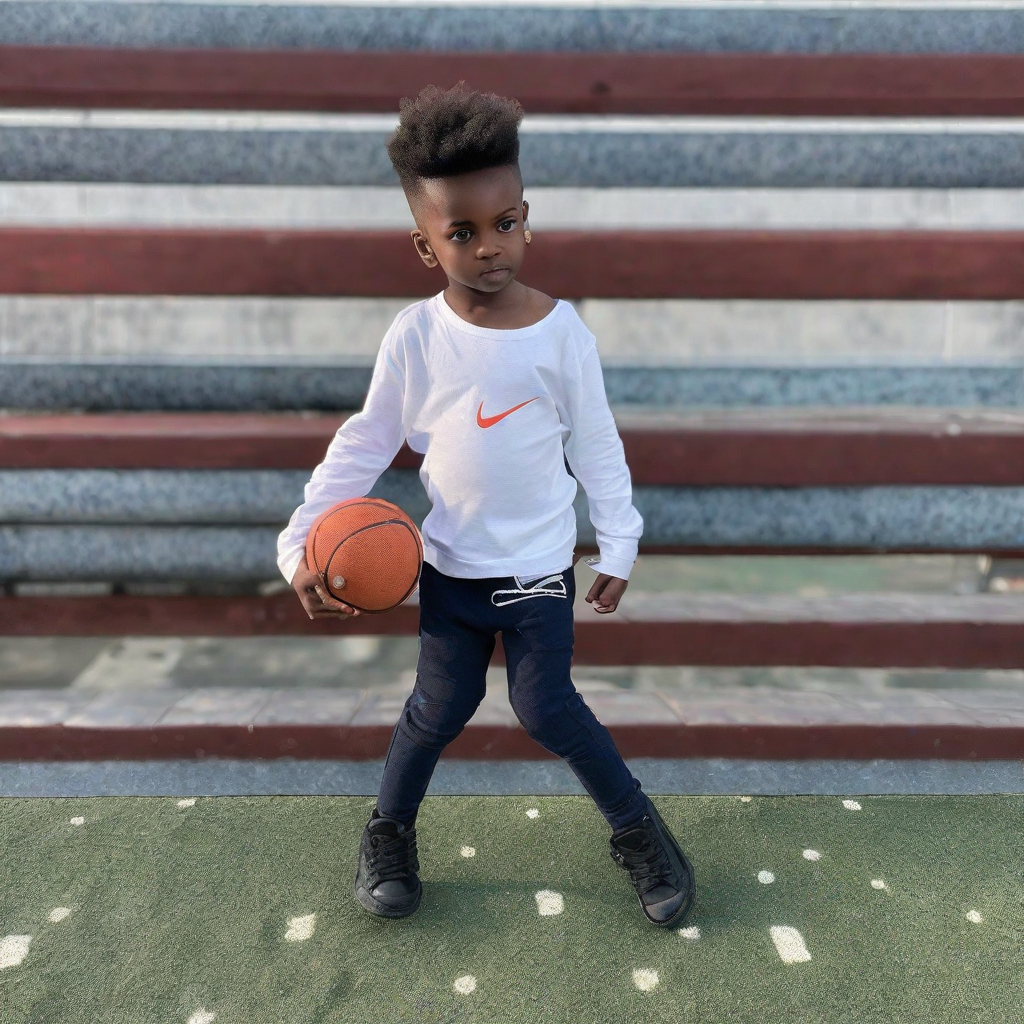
(182, 913)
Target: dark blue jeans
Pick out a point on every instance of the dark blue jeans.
(459, 619)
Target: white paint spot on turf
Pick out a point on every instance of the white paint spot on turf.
(188, 802)
(851, 805)
(78, 821)
(549, 903)
(645, 979)
(468, 851)
(533, 813)
(300, 928)
(812, 855)
(974, 917)
(765, 877)
(58, 914)
(745, 799)
(13, 949)
(465, 985)
(202, 1016)
(878, 883)
(790, 944)
(692, 932)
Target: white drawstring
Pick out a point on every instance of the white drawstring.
(524, 593)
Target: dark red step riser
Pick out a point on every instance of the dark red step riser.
(357, 743)
(681, 457)
(592, 83)
(569, 264)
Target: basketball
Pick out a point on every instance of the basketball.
(368, 553)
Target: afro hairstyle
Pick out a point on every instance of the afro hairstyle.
(442, 133)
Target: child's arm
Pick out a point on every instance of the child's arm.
(595, 455)
(358, 453)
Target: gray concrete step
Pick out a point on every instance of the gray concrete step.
(321, 150)
(212, 541)
(551, 208)
(639, 332)
(356, 725)
(693, 775)
(828, 26)
(103, 385)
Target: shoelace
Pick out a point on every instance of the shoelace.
(648, 866)
(392, 857)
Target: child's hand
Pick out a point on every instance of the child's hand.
(606, 592)
(314, 597)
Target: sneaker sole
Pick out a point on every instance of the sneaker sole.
(374, 906)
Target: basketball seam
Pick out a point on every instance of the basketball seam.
(349, 503)
(352, 503)
(363, 529)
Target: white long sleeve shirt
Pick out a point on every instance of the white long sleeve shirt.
(495, 414)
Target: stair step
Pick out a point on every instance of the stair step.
(683, 26)
(191, 147)
(356, 725)
(597, 83)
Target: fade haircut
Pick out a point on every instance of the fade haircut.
(442, 133)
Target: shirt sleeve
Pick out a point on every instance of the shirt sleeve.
(597, 460)
(359, 452)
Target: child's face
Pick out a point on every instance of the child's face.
(472, 225)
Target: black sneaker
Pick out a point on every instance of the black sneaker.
(661, 874)
(386, 879)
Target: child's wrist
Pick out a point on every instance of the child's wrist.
(607, 565)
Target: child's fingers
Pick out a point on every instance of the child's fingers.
(318, 603)
(606, 593)
(332, 604)
(332, 613)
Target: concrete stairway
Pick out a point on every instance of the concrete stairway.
(851, 266)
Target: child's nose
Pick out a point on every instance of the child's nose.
(488, 247)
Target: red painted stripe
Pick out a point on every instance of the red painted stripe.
(825, 448)
(821, 448)
(626, 83)
(171, 441)
(482, 742)
(978, 639)
(569, 264)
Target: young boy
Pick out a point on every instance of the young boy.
(497, 385)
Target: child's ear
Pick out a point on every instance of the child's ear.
(526, 211)
(423, 247)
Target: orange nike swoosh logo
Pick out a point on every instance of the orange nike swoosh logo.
(489, 421)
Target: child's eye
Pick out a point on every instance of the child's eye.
(507, 225)
(462, 235)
